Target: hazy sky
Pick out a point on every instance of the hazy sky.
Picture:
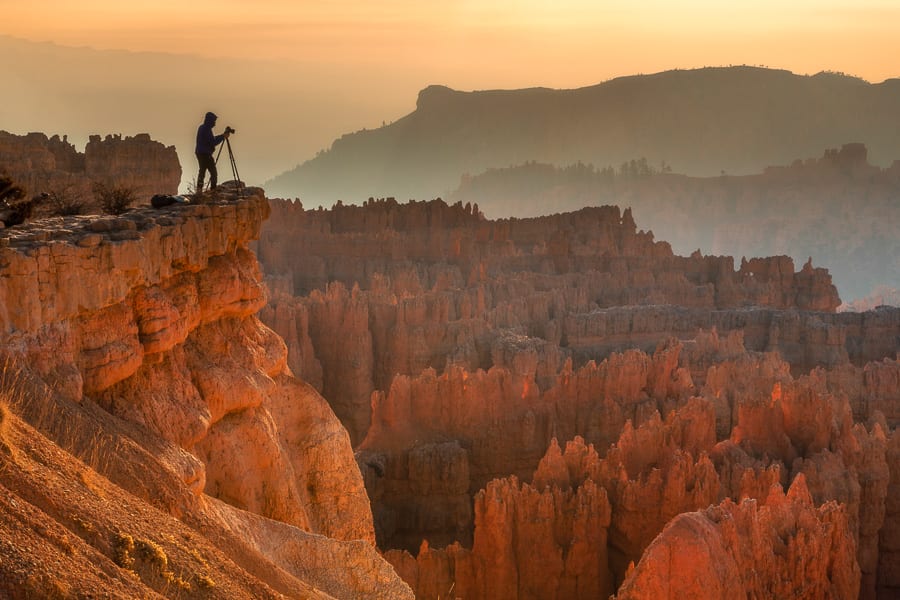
(489, 43)
(294, 75)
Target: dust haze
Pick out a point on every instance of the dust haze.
(284, 112)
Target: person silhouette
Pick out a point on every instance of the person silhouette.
(206, 145)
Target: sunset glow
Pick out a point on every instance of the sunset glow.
(502, 43)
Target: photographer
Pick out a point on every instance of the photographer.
(206, 145)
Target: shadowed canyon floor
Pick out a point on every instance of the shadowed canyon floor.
(555, 407)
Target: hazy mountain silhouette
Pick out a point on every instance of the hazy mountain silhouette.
(283, 111)
(837, 209)
(700, 122)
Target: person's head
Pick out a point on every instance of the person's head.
(210, 118)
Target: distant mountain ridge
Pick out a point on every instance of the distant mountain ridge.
(700, 122)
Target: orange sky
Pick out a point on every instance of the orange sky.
(472, 44)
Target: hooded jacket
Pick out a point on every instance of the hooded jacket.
(206, 141)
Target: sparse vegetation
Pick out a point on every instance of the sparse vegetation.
(10, 394)
(9, 191)
(113, 200)
(193, 552)
(153, 553)
(85, 526)
(123, 547)
(65, 201)
(14, 210)
(148, 560)
(194, 193)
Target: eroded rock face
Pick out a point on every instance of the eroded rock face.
(53, 165)
(519, 527)
(786, 432)
(152, 316)
(672, 384)
(426, 285)
(787, 548)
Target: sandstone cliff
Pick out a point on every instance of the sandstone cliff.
(142, 330)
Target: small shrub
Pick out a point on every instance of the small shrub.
(66, 201)
(9, 191)
(183, 584)
(14, 210)
(123, 546)
(113, 200)
(153, 553)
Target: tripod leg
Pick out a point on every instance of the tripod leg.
(234, 169)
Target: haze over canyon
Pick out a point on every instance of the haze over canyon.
(245, 397)
(618, 330)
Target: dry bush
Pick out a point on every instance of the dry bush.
(113, 200)
(9, 191)
(65, 201)
(19, 395)
(11, 393)
(14, 209)
(33, 402)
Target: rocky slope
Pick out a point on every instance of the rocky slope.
(131, 343)
(464, 354)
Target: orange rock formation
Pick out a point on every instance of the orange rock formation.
(148, 320)
(786, 548)
(678, 386)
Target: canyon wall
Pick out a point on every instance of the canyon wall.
(428, 285)
(463, 354)
(147, 322)
(52, 165)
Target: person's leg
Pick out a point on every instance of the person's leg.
(207, 163)
(213, 173)
(202, 174)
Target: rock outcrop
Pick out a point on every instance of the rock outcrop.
(787, 548)
(150, 318)
(53, 165)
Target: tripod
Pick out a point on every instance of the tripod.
(234, 169)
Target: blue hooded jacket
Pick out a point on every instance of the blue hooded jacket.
(206, 141)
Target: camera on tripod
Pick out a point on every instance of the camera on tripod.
(229, 129)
